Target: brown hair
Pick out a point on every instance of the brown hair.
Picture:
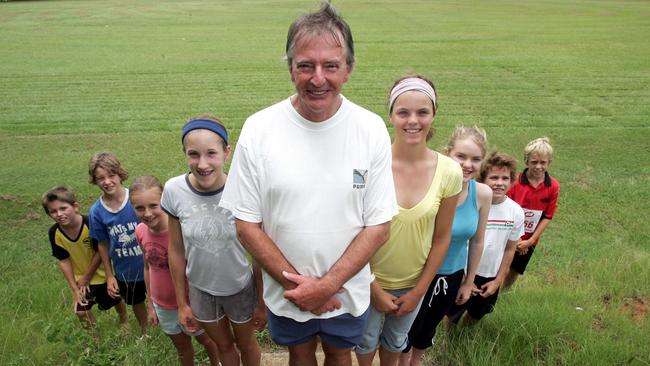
(143, 183)
(326, 20)
(58, 193)
(432, 130)
(498, 160)
(108, 162)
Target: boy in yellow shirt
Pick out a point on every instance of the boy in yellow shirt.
(78, 257)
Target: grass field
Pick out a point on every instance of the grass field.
(79, 77)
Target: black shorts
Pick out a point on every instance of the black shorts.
(98, 294)
(439, 298)
(520, 261)
(477, 306)
(133, 293)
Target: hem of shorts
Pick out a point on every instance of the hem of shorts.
(301, 320)
(240, 322)
(209, 321)
(365, 351)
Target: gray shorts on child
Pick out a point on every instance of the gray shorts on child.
(238, 308)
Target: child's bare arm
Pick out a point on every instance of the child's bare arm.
(484, 194)
(151, 313)
(84, 281)
(177, 264)
(491, 287)
(66, 267)
(111, 282)
(259, 317)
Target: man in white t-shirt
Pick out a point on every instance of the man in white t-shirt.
(504, 227)
(312, 192)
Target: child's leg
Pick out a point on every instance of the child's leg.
(140, 312)
(135, 294)
(120, 308)
(86, 318)
(240, 309)
(221, 335)
(517, 267)
(510, 279)
(84, 312)
(183, 344)
(210, 347)
(247, 343)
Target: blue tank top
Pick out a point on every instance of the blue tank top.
(464, 227)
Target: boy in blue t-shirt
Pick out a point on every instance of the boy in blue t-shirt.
(112, 224)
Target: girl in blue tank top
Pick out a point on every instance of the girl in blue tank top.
(455, 279)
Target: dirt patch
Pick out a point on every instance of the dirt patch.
(30, 216)
(551, 276)
(606, 299)
(8, 197)
(573, 345)
(636, 308)
(598, 324)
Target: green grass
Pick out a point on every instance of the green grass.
(80, 77)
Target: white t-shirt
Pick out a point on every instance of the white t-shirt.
(505, 222)
(216, 261)
(314, 186)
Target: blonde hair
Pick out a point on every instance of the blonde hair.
(144, 183)
(108, 162)
(474, 133)
(540, 146)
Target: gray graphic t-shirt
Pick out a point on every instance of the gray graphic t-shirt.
(216, 261)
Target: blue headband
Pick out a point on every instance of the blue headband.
(205, 124)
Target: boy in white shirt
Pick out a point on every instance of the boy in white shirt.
(504, 227)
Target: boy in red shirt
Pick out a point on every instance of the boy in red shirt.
(536, 192)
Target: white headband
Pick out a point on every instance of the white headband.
(409, 84)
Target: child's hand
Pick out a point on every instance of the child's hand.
(476, 290)
(464, 293)
(113, 288)
(407, 303)
(84, 285)
(489, 288)
(259, 316)
(523, 245)
(382, 300)
(79, 297)
(152, 318)
(186, 319)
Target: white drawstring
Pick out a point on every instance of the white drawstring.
(436, 289)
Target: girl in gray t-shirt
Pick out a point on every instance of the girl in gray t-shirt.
(203, 248)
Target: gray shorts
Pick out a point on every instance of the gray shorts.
(238, 308)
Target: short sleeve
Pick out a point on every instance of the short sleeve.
(97, 228)
(241, 194)
(550, 209)
(167, 200)
(454, 181)
(380, 202)
(518, 229)
(93, 241)
(58, 252)
(139, 233)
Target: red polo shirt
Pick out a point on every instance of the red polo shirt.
(538, 202)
